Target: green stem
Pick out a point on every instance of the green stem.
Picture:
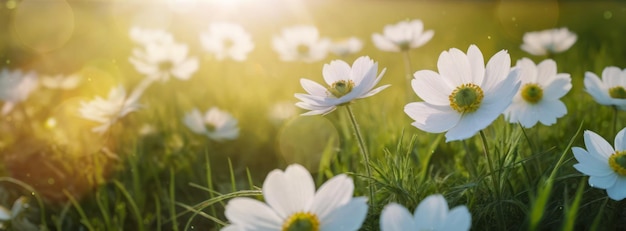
(407, 74)
(494, 177)
(614, 120)
(363, 149)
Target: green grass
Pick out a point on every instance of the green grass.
(172, 179)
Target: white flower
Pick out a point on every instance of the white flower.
(611, 90)
(15, 87)
(431, 214)
(301, 43)
(346, 84)
(145, 36)
(549, 41)
(605, 166)
(293, 204)
(465, 96)
(346, 47)
(159, 61)
(538, 98)
(60, 81)
(282, 111)
(18, 206)
(216, 124)
(108, 111)
(227, 40)
(402, 36)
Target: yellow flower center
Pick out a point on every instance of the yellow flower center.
(532, 93)
(466, 98)
(303, 50)
(617, 92)
(302, 221)
(341, 88)
(617, 161)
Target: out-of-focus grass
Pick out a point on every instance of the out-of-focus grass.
(151, 176)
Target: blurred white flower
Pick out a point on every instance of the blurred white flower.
(163, 59)
(15, 87)
(431, 214)
(60, 81)
(346, 84)
(465, 96)
(282, 111)
(605, 166)
(291, 203)
(108, 111)
(227, 40)
(216, 124)
(146, 36)
(301, 43)
(611, 90)
(7, 216)
(346, 47)
(402, 36)
(538, 99)
(549, 41)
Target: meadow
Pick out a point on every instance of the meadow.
(149, 171)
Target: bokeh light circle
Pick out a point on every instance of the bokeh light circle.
(43, 25)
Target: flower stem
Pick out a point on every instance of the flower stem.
(407, 73)
(363, 149)
(614, 120)
(494, 178)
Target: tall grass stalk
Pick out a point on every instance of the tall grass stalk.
(408, 75)
(364, 152)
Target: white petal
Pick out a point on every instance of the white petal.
(375, 91)
(431, 212)
(477, 63)
(290, 191)
(550, 110)
(557, 87)
(335, 71)
(184, 70)
(432, 118)
(595, 87)
(193, 121)
(333, 194)
(384, 44)
(349, 217)
(455, 66)
(620, 140)
(618, 191)
(395, 217)
(458, 218)
(246, 212)
(471, 123)
(603, 182)
(497, 69)
(363, 68)
(596, 145)
(611, 76)
(589, 165)
(5, 214)
(313, 88)
(527, 70)
(546, 69)
(430, 87)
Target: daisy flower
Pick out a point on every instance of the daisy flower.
(346, 84)
(60, 81)
(301, 43)
(216, 124)
(293, 204)
(15, 87)
(431, 214)
(538, 98)
(346, 47)
(108, 111)
(605, 166)
(611, 90)
(159, 61)
(145, 36)
(402, 36)
(549, 41)
(465, 96)
(227, 40)
(18, 206)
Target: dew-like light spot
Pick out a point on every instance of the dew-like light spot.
(43, 25)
